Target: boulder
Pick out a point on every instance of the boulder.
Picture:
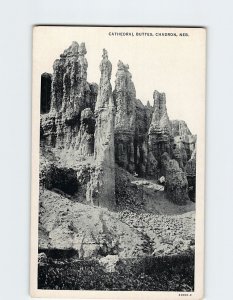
(42, 259)
(109, 262)
(176, 184)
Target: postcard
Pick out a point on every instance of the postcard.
(118, 161)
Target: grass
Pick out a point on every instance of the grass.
(167, 273)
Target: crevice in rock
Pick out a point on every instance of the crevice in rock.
(60, 180)
(45, 93)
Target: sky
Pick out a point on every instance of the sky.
(174, 65)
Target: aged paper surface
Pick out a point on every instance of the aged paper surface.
(118, 159)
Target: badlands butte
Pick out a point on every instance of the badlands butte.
(117, 178)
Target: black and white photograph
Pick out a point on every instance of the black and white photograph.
(116, 150)
(118, 160)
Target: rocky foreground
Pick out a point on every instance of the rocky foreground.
(87, 247)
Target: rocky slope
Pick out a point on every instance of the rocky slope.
(97, 232)
(92, 231)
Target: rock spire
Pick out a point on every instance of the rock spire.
(101, 189)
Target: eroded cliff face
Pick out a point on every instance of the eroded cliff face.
(90, 128)
(124, 97)
(85, 139)
(70, 80)
(70, 95)
(179, 128)
(183, 137)
(145, 163)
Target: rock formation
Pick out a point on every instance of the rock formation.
(124, 98)
(179, 153)
(101, 188)
(89, 128)
(70, 94)
(85, 138)
(179, 128)
(183, 137)
(143, 161)
(160, 135)
(191, 165)
(69, 80)
(191, 175)
(115, 176)
(176, 184)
